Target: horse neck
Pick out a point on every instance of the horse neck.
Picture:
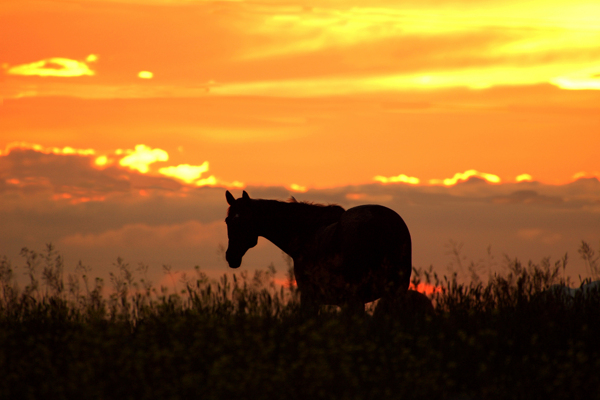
(276, 222)
(288, 225)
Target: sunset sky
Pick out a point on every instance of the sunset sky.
(108, 103)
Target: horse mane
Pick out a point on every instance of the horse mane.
(292, 199)
(315, 212)
(308, 213)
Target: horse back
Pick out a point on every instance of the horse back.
(373, 226)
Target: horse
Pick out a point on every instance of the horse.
(341, 257)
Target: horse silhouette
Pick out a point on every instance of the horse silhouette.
(341, 257)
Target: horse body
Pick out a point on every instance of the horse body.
(358, 257)
(340, 257)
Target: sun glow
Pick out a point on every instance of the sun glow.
(322, 87)
(587, 79)
(426, 288)
(360, 34)
(321, 27)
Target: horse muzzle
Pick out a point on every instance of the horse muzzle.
(234, 261)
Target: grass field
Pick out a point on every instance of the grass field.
(244, 338)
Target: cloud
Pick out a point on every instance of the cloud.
(190, 174)
(356, 50)
(55, 66)
(142, 236)
(584, 174)
(80, 175)
(96, 214)
(395, 179)
(424, 75)
(185, 172)
(184, 228)
(56, 172)
(301, 50)
(527, 197)
(231, 185)
(539, 235)
(76, 175)
(179, 245)
(46, 150)
(309, 29)
(211, 181)
(369, 198)
(523, 177)
(586, 79)
(140, 158)
(298, 188)
(145, 75)
(464, 176)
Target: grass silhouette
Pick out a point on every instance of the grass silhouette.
(243, 337)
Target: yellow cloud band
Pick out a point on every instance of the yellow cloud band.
(463, 176)
(185, 172)
(56, 66)
(397, 179)
(142, 157)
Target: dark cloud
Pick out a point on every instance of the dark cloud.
(528, 220)
(159, 221)
(33, 171)
(527, 197)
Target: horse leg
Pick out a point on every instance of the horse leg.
(387, 305)
(308, 305)
(393, 299)
(353, 307)
(411, 303)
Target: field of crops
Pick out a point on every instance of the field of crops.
(244, 338)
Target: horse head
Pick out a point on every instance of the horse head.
(241, 229)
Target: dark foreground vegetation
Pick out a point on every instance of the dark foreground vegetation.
(244, 338)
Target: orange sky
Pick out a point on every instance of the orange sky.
(316, 95)
(122, 121)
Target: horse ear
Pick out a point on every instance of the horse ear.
(245, 196)
(230, 198)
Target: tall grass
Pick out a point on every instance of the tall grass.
(131, 297)
(70, 336)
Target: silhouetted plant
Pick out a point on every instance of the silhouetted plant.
(243, 336)
(592, 260)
